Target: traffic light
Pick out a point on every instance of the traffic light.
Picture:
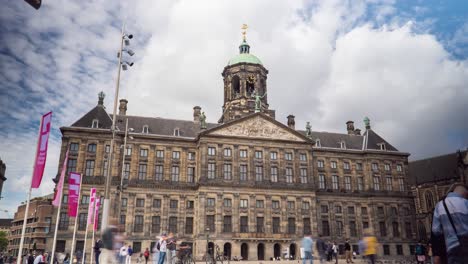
(34, 3)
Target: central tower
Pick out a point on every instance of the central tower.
(245, 89)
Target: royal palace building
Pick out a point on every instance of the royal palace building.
(249, 183)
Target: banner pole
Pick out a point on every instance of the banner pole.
(87, 223)
(76, 223)
(94, 222)
(23, 232)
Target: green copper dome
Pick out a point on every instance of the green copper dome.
(244, 56)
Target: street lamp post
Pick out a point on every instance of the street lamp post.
(124, 38)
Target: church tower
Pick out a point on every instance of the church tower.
(245, 90)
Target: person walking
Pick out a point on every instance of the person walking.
(449, 236)
(155, 250)
(370, 246)
(39, 258)
(420, 252)
(307, 244)
(97, 250)
(335, 252)
(321, 249)
(171, 248)
(109, 237)
(123, 254)
(128, 259)
(146, 255)
(162, 249)
(348, 253)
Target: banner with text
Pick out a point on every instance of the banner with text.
(74, 187)
(92, 199)
(41, 154)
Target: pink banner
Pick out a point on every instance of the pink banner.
(58, 193)
(74, 186)
(96, 213)
(92, 198)
(41, 154)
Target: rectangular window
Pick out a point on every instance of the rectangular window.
(63, 221)
(376, 183)
(258, 154)
(320, 164)
(396, 229)
(303, 172)
(303, 157)
(289, 175)
(143, 152)
(291, 204)
(48, 221)
(258, 173)
(352, 228)
(338, 209)
(191, 156)
(92, 148)
(156, 203)
(155, 224)
(175, 174)
(71, 165)
(274, 174)
(375, 166)
(347, 180)
(383, 229)
(190, 174)
(227, 224)
(126, 171)
(175, 154)
(138, 225)
(333, 165)
(324, 209)
(159, 154)
(305, 205)
(359, 166)
(65, 199)
(288, 156)
(227, 171)
(260, 225)
(243, 153)
(259, 204)
(210, 223)
(172, 224)
(128, 151)
(89, 171)
(335, 182)
(85, 199)
(306, 225)
(401, 184)
(227, 152)
(380, 211)
(276, 225)
(136, 247)
(275, 204)
(387, 167)
(364, 210)
(105, 167)
(74, 147)
(408, 230)
(190, 204)
(325, 228)
(386, 250)
(211, 151)
(211, 170)
(210, 202)
(399, 168)
(140, 203)
(322, 184)
(158, 172)
(399, 249)
(123, 202)
(173, 204)
(243, 173)
(273, 155)
(365, 224)
(244, 203)
(388, 183)
(82, 218)
(351, 210)
(346, 166)
(227, 202)
(360, 183)
(291, 225)
(244, 224)
(123, 219)
(339, 228)
(142, 171)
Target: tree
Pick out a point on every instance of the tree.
(3, 241)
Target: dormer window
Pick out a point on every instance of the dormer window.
(343, 145)
(176, 132)
(95, 123)
(317, 143)
(382, 146)
(145, 129)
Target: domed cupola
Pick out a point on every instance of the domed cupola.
(245, 89)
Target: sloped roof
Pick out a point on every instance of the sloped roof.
(5, 221)
(332, 140)
(373, 141)
(434, 169)
(99, 113)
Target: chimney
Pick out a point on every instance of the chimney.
(291, 122)
(350, 127)
(196, 114)
(123, 107)
(357, 132)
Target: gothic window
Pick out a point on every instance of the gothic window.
(235, 85)
(429, 200)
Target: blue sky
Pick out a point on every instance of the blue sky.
(402, 63)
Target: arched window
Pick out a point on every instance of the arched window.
(95, 123)
(429, 200)
(235, 85)
(145, 129)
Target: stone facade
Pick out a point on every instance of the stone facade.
(249, 184)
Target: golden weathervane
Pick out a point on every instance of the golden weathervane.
(244, 30)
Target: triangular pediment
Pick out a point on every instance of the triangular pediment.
(258, 126)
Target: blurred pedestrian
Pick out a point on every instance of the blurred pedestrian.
(97, 250)
(370, 246)
(348, 253)
(146, 254)
(109, 240)
(162, 249)
(155, 249)
(335, 252)
(420, 252)
(128, 259)
(171, 248)
(321, 249)
(307, 245)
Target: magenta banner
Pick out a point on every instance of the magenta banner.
(58, 192)
(92, 199)
(74, 186)
(41, 154)
(96, 213)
